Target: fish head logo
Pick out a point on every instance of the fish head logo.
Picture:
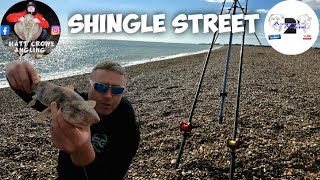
(305, 22)
(275, 21)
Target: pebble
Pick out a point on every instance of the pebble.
(260, 110)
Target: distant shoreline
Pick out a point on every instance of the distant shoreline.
(161, 58)
(4, 84)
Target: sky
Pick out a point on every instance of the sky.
(65, 9)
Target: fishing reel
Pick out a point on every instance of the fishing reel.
(185, 127)
(233, 143)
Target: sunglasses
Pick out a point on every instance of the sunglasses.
(103, 88)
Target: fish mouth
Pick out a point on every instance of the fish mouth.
(85, 123)
(80, 125)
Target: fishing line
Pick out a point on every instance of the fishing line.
(236, 143)
(187, 127)
(223, 94)
(84, 169)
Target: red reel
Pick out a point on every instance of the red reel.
(185, 127)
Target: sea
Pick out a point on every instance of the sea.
(78, 56)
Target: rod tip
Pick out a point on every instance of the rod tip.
(220, 119)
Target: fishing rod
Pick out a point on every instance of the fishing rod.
(255, 34)
(223, 94)
(234, 143)
(187, 127)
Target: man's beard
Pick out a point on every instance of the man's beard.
(32, 13)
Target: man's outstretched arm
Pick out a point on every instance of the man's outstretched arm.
(21, 75)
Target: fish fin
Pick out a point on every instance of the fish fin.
(33, 101)
(43, 115)
(37, 34)
(71, 87)
(91, 103)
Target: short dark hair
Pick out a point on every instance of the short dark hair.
(110, 66)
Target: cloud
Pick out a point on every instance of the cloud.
(314, 4)
(263, 11)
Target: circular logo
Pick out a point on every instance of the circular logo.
(30, 28)
(291, 27)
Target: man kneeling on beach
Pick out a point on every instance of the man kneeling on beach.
(103, 150)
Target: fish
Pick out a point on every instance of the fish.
(304, 22)
(28, 30)
(74, 108)
(276, 21)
